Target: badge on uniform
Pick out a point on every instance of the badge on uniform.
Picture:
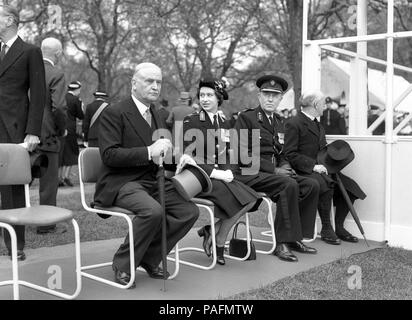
(260, 117)
(225, 135)
(281, 137)
(202, 116)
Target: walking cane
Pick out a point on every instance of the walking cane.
(350, 206)
(161, 185)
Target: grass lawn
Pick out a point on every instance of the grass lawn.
(386, 275)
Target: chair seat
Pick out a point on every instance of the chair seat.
(202, 202)
(114, 209)
(35, 216)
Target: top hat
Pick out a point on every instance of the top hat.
(218, 85)
(100, 94)
(39, 164)
(74, 85)
(336, 156)
(272, 83)
(191, 181)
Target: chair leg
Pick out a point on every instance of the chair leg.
(16, 282)
(185, 249)
(269, 233)
(105, 264)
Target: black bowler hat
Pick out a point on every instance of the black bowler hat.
(336, 156)
(100, 94)
(218, 85)
(191, 181)
(272, 83)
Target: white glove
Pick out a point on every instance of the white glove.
(184, 160)
(320, 168)
(224, 175)
(161, 146)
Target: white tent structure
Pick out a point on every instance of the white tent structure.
(335, 79)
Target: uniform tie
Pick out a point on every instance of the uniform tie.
(215, 122)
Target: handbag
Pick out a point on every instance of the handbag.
(238, 247)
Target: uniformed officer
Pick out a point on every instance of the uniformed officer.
(231, 198)
(91, 122)
(296, 196)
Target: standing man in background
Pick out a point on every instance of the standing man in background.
(91, 119)
(54, 125)
(22, 100)
(331, 119)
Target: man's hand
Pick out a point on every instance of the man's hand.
(284, 172)
(160, 147)
(184, 160)
(224, 175)
(31, 142)
(320, 168)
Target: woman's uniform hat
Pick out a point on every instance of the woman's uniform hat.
(74, 85)
(271, 83)
(336, 156)
(218, 85)
(191, 181)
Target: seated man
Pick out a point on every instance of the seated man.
(296, 196)
(128, 177)
(304, 138)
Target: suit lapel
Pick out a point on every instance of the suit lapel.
(310, 125)
(15, 51)
(137, 122)
(265, 121)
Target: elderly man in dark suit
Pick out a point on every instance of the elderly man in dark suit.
(54, 125)
(128, 177)
(90, 130)
(296, 196)
(22, 100)
(304, 138)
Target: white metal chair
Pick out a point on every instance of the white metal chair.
(15, 170)
(90, 164)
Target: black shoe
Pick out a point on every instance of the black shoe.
(55, 230)
(302, 248)
(123, 278)
(205, 232)
(21, 256)
(220, 258)
(329, 236)
(68, 182)
(346, 236)
(283, 253)
(154, 272)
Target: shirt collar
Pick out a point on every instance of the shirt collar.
(211, 115)
(49, 61)
(140, 106)
(11, 41)
(310, 117)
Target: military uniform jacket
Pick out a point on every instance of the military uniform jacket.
(271, 155)
(208, 161)
(91, 134)
(333, 122)
(303, 141)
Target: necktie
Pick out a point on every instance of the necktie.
(271, 120)
(148, 117)
(215, 122)
(317, 124)
(3, 51)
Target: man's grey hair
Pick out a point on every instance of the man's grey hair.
(11, 12)
(142, 66)
(311, 98)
